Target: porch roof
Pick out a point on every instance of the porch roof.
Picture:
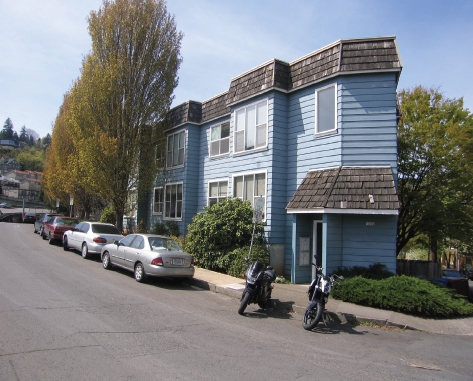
(356, 190)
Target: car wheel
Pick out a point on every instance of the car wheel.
(41, 233)
(85, 251)
(50, 240)
(64, 244)
(106, 261)
(140, 274)
(35, 231)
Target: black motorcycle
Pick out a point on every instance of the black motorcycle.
(319, 290)
(258, 285)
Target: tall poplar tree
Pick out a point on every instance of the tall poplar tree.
(123, 94)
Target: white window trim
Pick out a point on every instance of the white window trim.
(210, 140)
(336, 109)
(217, 181)
(265, 186)
(164, 202)
(244, 139)
(184, 154)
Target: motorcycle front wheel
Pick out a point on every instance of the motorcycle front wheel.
(244, 302)
(312, 316)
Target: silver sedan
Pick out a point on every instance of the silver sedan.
(148, 255)
(90, 237)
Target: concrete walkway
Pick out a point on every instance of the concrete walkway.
(293, 298)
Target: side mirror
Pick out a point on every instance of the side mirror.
(341, 277)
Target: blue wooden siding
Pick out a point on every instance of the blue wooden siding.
(368, 121)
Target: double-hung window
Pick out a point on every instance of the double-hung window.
(251, 127)
(175, 149)
(220, 139)
(250, 186)
(217, 191)
(158, 201)
(326, 109)
(173, 201)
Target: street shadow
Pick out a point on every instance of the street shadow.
(334, 326)
(272, 311)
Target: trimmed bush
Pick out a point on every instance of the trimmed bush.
(218, 230)
(234, 262)
(169, 228)
(403, 294)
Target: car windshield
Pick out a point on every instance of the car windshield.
(104, 229)
(159, 243)
(65, 222)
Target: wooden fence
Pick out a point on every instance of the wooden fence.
(425, 269)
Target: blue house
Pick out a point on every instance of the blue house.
(316, 138)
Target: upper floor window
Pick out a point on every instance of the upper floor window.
(250, 186)
(175, 149)
(251, 127)
(220, 139)
(217, 192)
(326, 109)
(173, 201)
(158, 201)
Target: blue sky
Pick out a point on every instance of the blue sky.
(42, 44)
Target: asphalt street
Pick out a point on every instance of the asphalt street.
(66, 318)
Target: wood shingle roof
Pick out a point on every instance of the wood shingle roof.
(342, 57)
(346, 188)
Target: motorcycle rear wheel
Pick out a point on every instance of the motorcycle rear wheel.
(312, 317)
(244, 302)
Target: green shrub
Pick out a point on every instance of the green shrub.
(218, 230)
(374, 271)
(233, 263)
(403, 294)
(109, 215)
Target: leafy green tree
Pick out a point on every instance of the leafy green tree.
(218, 230)
(23, 135)
(435, 163)
(7, 131)
(31, 159)
(123, 94)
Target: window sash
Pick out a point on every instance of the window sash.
(218, 191)
(158, 201)
(175, 149)
(326, 109)
(173, 201)
(251, 127)
(248, 187)
(220, 139)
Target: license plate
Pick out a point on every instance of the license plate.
(178, 262)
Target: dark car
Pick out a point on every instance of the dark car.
(40, 221)
(29, 217)
(5, 205)
(470, 274)
(55, 226)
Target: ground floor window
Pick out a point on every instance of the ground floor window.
(173, 201)
(217, 191)
(158, 201)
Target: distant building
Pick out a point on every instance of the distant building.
(7, 165)
(22, 184)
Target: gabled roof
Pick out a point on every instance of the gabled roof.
(344, 57)
(345, 189)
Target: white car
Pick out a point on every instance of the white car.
(90, 237)
(149, 255)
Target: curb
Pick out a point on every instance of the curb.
(338, 317)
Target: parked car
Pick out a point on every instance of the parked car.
(55, 226)
(452, 274)
(90, 237)
(29, 217)
(5, 205)
(148, 255)
(470, 274)
(40, 221)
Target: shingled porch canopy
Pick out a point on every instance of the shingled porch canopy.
(346, 190)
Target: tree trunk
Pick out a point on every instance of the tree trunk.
(433, 248)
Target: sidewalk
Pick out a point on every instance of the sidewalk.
(293, 297)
